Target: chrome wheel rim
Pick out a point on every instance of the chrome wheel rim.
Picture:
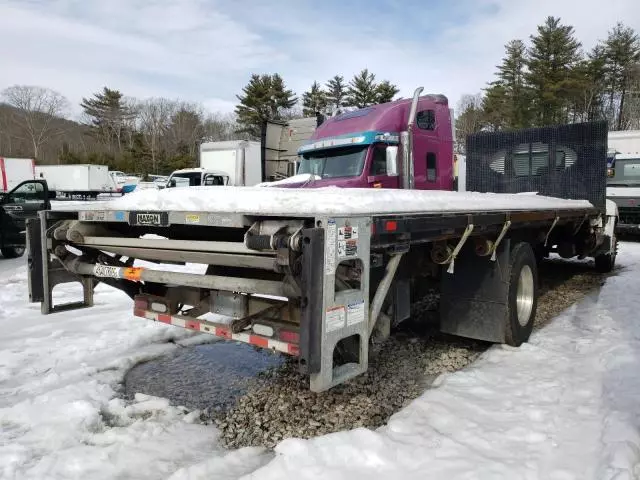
(524, 295)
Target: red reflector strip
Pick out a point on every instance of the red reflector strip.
(192, 325)
(391, 225)
(201, 326)
(259, 341)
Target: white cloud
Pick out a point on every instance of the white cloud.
(201, 50)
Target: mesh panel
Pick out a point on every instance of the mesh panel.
(565, 161)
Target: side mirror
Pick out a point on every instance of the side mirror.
(392, 161)
(172, 183)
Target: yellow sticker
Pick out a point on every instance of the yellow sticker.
(193, 218)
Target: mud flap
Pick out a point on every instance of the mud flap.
(474, 299)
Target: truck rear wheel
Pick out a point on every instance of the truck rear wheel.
(523, 294)
(12, 252)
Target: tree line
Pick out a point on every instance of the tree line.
(552, 80)
(266, 97)
(155, 135)
(159, 135)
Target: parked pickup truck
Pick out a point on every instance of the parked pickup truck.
(18, 205)
(324, 274)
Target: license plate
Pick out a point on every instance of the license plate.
(106, 271)
(150, 219)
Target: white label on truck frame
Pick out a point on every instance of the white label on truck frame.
(335, 317)
(355, 313)
(106, 271)
(330, 249)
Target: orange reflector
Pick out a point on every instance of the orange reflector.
(391, 226)
(132, 273)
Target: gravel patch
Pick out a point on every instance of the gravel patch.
(282, 406)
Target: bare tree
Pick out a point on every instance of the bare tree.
(154, 115)
(36, 111)
(469, 120)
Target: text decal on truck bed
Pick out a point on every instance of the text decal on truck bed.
(106, 271)
(151, 219)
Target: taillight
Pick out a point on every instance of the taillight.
(289, 336)
(141, 303)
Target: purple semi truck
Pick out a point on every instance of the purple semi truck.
(359, 149)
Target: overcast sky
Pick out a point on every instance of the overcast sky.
(205, 50)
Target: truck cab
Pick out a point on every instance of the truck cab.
(16, 207)
(372, 147)
(195, 177)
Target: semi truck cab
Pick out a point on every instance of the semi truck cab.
(371, 147)
(16, 207)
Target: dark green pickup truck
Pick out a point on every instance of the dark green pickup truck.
(623, 187)
(16, 207)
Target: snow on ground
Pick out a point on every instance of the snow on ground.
(327, 201)
(564, 406)
(59, 413)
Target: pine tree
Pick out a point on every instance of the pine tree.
(336, 92)
(622, 53)
(314, 101)
(264, 98)
(362, 90)
(511, 74)
(385, 91)
(110, 115)
(553, 77)
(494, 107)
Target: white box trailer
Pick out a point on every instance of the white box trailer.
(625, 141)
(239, 159)
(14, 171)
(281, 141)
(77, 180)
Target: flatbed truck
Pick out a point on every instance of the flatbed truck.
(324, 274)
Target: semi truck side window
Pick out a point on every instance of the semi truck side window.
(432, 172)
(426, 120)
(379, 161)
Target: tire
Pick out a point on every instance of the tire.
(605, 262)
(522, 296)
(12, 252)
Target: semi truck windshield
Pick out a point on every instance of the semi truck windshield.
(334, 163)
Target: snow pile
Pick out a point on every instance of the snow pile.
(328, 201)
(59, 413)
(564, 406)
(302, 178)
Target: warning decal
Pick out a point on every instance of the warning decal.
(330, 249)
(355, 313)
(335, 318)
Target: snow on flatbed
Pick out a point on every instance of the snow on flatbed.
(564, 406)
(328, 201)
